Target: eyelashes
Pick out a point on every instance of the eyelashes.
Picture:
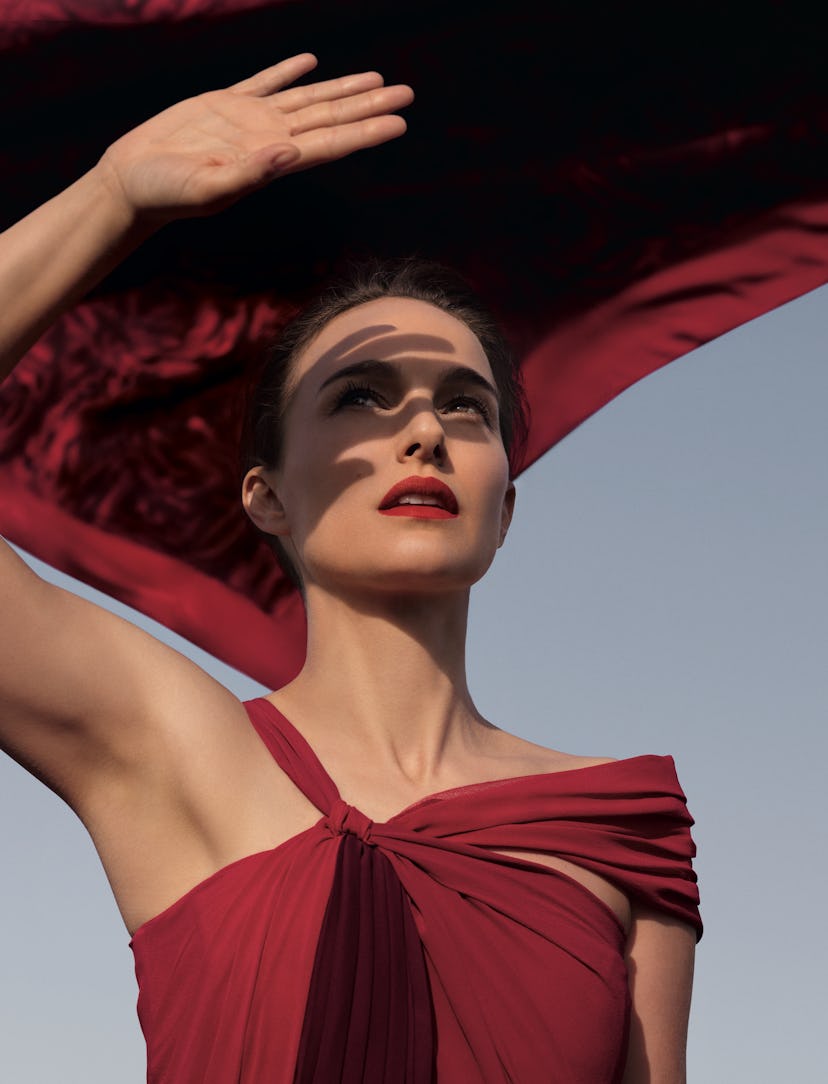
(362, 395)
(352, 393)
(475, 404)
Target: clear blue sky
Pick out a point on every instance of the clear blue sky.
(663, 590)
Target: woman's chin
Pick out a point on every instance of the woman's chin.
(427, 578)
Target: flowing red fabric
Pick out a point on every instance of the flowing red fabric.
(618, 192)
(298, 951)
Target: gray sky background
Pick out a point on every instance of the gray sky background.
(663, 590)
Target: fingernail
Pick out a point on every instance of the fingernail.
(283, 157)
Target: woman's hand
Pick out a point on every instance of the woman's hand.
(204, 153)
(194, 158)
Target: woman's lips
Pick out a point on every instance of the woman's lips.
(421, 498)
(418, 511)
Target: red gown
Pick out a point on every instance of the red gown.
(409, 951)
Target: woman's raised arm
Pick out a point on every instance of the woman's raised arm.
(195, 158)
(79, 688)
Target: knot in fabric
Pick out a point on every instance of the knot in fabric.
(347, 819)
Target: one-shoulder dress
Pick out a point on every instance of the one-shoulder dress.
(411, 952)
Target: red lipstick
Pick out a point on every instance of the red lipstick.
(421, 498)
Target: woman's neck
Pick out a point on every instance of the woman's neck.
(390, 675)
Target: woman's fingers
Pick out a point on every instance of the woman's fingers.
(331, 89)
(342, 102)
(328, 144)
(274, 81)
(275, 78)
(204, 153)
(356, 107)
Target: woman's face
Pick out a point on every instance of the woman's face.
(394, 476)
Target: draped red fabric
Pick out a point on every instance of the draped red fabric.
(415, 949)
(368, 1014)
(618, 188)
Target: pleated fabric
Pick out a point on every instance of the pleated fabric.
(368, 1014)
(410, 951)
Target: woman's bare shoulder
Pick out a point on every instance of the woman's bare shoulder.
(531, 758)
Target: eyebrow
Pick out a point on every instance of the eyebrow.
(376, 368)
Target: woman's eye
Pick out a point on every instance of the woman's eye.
(469, 404)
(357, 395)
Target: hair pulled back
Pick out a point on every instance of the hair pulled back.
(419, 280)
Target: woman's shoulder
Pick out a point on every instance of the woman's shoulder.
(531, 758)
(520, 757)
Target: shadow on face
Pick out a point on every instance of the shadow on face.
(404, 380)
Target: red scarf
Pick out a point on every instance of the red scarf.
(619, 193)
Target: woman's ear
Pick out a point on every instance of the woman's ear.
(261, 501)
(506, 512)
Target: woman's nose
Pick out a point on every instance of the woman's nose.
(423, 438)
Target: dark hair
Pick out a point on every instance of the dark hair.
(420, 280)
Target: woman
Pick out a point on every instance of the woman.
(459, 903)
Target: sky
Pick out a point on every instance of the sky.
(663, 590)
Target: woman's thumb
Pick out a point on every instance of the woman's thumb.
(278, 158)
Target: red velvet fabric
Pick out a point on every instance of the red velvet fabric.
(227, 973)
(619, 194)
